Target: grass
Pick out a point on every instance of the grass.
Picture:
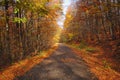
(91, 50)
(80, 46)
(83, 46)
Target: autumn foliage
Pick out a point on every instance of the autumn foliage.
(26, 28)
(93, 21)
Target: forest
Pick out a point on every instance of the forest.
(29, 27)
(95, 23)
(93, 20)
(26, 26)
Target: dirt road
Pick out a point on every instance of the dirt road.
(63, 64)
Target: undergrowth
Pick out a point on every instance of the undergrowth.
(106, 64)
(85, 47)
(91, 50)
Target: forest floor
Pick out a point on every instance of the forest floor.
(103, 58)
(21, 67)
(67, 62)
(62, 64)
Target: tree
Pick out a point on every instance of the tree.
(94, 21)
(28, 26)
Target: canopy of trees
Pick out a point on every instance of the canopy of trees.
(26, 26)
(92, 21)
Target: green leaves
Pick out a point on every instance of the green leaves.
(16, 10)
(23, 20)
(19, 20)
(18, 1)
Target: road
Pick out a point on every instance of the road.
(63, 64)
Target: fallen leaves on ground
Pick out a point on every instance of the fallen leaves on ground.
(20, 68)
(98, 64)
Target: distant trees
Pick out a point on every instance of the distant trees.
(93, 21)
(26, 27)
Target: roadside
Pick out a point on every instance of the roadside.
(21, 67)
(100, 60)
(62, 64)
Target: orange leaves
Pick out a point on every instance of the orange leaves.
(90, 9)
(84, 8)
(23, 66)
(68, 60)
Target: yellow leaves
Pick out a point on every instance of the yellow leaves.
(70, 36)
(53, 5)
(56, 38)
(40, 3)
(87, 11)
(69, 16)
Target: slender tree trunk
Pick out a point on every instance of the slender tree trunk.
(7, 30)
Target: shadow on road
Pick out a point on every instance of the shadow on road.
(63, 64)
